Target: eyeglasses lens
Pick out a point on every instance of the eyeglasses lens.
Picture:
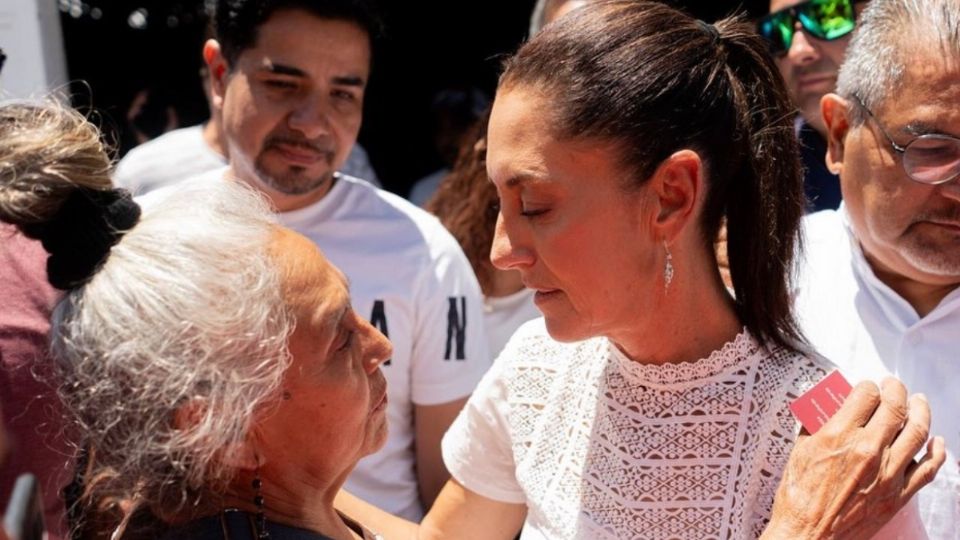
(827, 19)
(823, 19)
(778, 30)
(932, 159)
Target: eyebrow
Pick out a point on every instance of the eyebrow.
(336, 318)
(518, 180)
(349, 81)
(281, 69)
(290, 71)
(918, 128)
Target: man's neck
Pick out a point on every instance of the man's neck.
(213, 136)
(923, 297)
(283, 202)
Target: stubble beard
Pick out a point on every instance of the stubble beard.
(293, 181)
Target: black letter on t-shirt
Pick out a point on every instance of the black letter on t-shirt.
(378, 320)
(456, 327)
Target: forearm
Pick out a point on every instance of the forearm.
(380, 521)
(430, 423)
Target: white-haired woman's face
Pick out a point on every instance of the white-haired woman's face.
(333, 406)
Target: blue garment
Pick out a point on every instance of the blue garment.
(821, 186)
(236, 525)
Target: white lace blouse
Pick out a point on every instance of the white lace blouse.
(598, 446)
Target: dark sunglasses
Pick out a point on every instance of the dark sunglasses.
(929, 159)
(823, 19)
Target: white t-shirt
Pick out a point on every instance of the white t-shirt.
(867, 329)
(503, 315)
(410, 279)
(598, 446)
(182, 153)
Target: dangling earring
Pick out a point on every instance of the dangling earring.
(260, 522)
(667, 268)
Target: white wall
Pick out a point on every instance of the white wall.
(31, 38)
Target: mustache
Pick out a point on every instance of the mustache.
(948, 215)
(320, 146)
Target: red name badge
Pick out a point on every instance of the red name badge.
(818, 404)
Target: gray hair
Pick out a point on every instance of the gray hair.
(187, 311)
(888, 35)
(543, 13)
(185, 318)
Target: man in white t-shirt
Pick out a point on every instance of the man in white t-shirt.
(288, 77)
(879, 292)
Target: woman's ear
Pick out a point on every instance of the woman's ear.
(677, 185)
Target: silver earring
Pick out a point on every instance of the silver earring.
(667, 268)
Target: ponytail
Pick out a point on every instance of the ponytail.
(55, 186)
(764, 201)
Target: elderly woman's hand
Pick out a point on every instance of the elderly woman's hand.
(850, 478)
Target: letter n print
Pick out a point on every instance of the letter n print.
(456, 328)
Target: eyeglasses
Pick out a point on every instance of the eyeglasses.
(823, 19)
(929, 159)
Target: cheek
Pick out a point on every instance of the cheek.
(882, 208)
(835, 51)
(595, 260)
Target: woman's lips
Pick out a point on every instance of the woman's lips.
(544, 295)
(381, 403)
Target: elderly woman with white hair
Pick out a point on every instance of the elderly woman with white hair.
(210, 359)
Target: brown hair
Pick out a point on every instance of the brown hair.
(655, 80)
(466, 203)
(47, 152)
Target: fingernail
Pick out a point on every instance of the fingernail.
(921, 397)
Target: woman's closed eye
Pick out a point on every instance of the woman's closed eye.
(533, 211)
(344, 340)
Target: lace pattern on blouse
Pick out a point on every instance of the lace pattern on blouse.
(609, 448)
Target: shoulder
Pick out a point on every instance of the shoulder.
(531, 348)
(172, 142)
(798, 370)
(170, 158)
(823, 230)
(407, 221)
(826, 247)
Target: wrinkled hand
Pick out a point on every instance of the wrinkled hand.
(850, 478)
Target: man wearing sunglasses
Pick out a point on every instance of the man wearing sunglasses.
(879, 292)
(808, 40)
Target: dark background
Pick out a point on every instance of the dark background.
(429, 45)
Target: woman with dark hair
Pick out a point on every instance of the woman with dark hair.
(467, 205)
(649, 402)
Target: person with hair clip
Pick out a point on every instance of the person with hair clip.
(209, 359)
(649, 402)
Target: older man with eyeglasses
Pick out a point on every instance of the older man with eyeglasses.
(808, 40)
(879, 292)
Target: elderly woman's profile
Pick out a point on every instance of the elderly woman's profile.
(212, 365)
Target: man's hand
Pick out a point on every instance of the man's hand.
(849, 479)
